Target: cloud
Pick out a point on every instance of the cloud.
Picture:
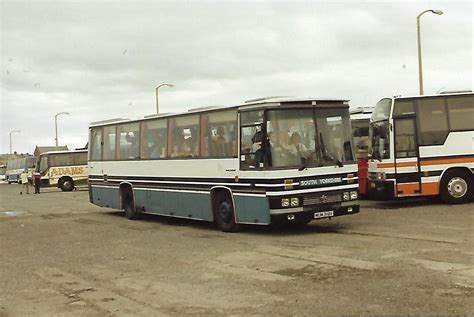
(100, 60)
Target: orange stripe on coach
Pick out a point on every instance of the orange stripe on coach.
(429, 189)
(448, 161)
(400, 164)
(408, 189)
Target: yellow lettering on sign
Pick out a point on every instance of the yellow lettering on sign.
(75, 170)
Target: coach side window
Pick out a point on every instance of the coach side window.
(405, 141)
(60, 160)
(96, 144)
(433, 121)
(461, 113)
(402, 107)
(80, 158)
(184, 136)
(219, 137)
(128, 141)
(108, 149)
(154, 139)
(251, 139)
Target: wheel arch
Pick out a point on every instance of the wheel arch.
(126, 186)
(215, 192)
(464, 169)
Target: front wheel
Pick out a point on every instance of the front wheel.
(66, 184)
(456, 187)
(224, 214)
(129, 207)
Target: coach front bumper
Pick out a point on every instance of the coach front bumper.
(316, 212)
(315, 205)
(380, 189)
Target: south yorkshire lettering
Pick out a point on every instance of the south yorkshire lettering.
(321, 181)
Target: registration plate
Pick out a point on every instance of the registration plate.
(323, 214)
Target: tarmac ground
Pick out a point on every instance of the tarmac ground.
(61, 255)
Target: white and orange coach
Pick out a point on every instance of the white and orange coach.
(423, 146)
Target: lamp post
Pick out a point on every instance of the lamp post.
(161, 85)
(56, 126)
(13, 131)
(420, 67)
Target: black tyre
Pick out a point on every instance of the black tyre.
(128, 205)
(456, 187)
(224, 214)
(66, 184)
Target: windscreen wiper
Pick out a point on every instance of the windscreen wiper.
(304, 163)
(306, 159)
(326, 153)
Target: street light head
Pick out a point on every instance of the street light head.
(60, 113)
(161, 85)
(165, 84)
(438, 12)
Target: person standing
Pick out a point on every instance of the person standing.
(37, 181)
(24, 181)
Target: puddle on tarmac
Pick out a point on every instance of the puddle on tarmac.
(13, 213)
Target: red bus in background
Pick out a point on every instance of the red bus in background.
(360, 122)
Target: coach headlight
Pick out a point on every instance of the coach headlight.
(295, 202)
(285, 202)
(354, 195)
(346, 196)
(381, 175)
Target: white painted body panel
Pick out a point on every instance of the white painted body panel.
(457, 143)
(206, 168)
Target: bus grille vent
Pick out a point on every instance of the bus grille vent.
(316, 199)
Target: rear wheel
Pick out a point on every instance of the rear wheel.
(128, 205)
(224, 213)
(66, 184)
(456, 187)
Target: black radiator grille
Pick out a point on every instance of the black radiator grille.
(319, 198)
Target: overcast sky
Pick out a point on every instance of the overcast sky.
(103, 59)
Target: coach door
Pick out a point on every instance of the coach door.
(407, 167)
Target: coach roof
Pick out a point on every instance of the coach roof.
(274, 101)
(64, 152)
(441, 95)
